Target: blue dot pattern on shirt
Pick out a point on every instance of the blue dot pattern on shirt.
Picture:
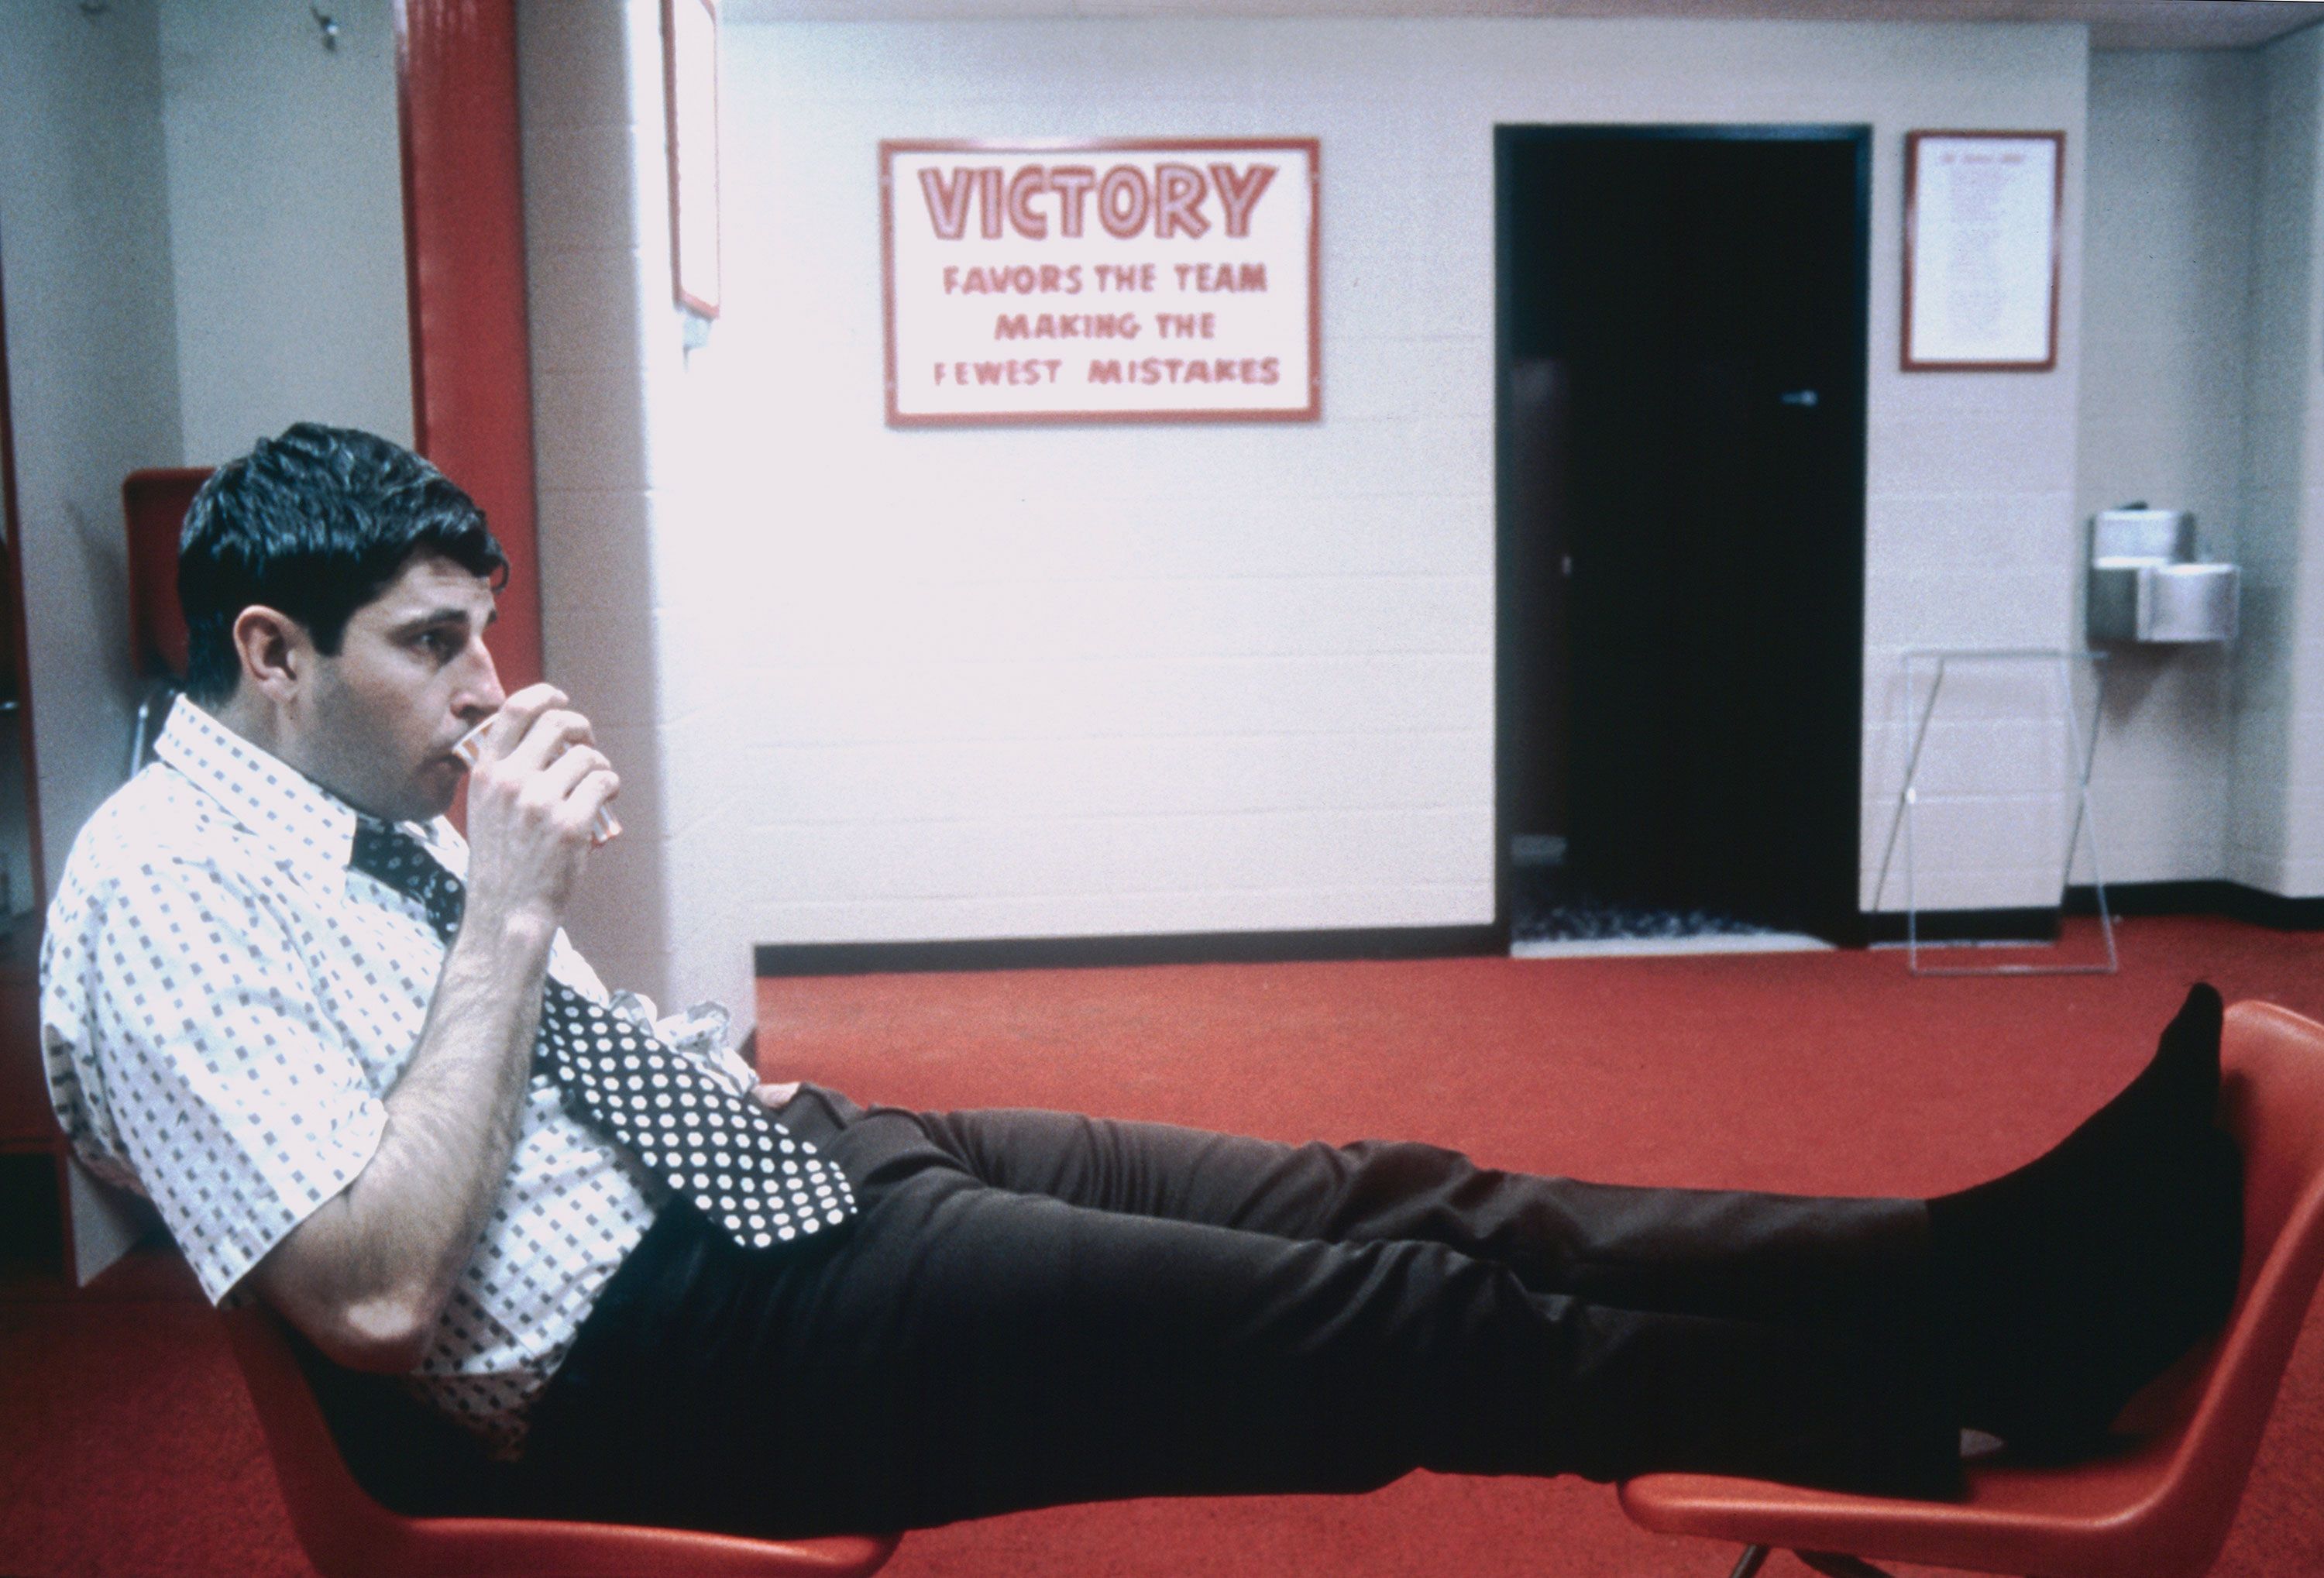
(722, 1150)
(225, 1007)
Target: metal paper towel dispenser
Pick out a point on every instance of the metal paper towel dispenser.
(2147, 586)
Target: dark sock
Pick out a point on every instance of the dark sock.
(2154, 1117)
(2072, 1281)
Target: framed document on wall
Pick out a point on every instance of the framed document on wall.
(1981, 218)
(690, 84)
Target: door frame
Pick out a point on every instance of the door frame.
(1508, 137)
(455, 72)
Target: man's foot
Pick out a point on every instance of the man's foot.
(2073, 1281)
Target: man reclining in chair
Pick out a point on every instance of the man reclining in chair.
(353, 1061)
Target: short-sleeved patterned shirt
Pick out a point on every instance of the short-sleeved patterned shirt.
(223, 1006)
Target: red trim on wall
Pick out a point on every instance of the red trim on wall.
(464, 251)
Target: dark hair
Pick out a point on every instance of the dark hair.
(315, 523)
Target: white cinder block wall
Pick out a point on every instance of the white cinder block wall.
(2173, 172)
(92, 370)
(1056, 681)
(201, 217)
(1047, 681)
(2276, 826)
(641, 625)
(286, 222)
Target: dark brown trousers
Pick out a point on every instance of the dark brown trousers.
(1038, 1307)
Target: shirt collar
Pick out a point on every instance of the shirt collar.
(306, 825)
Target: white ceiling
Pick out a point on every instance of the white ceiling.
(2115, 24)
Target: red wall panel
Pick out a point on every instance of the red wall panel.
(464, 233)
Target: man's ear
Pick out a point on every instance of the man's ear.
(276, 654)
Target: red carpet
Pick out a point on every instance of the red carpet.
(125, 1446)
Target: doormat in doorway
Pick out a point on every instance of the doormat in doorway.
(1554, 916)
(1709, 941)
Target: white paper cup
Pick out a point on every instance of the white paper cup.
(469, 749)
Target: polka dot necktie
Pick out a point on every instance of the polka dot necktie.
(722, 1150)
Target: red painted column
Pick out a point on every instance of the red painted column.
(464, 243)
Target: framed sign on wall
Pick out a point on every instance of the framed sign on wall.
(1982, 216)
(1127, 281)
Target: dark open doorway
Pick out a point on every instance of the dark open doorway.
(1681, 326)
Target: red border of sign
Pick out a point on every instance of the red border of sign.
(1905, 360)
(890, 147)
(669, 110)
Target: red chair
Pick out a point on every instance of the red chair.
(2162, 1506)
(347, 1534)
(154, 504)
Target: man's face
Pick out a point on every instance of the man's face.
(377, 726)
